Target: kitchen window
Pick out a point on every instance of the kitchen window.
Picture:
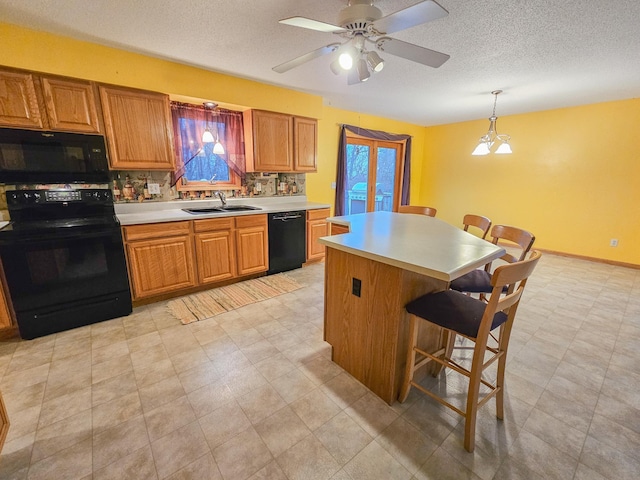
(198, 166)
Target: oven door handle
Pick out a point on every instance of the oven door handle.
(59, 234)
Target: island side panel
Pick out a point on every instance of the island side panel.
(369, 333)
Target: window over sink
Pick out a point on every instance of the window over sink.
(198, 166)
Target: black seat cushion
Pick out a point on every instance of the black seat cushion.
(477, 281)
(453, 310)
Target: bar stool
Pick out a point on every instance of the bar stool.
(479, 281)
(459, 314)
(418, 210)
(478, 221)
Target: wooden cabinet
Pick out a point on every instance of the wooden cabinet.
(337, 229)
(277, 142)
(29, 100)
(71, 104)
(305, 144)
(18, 100)
(4, 422)
(252, 244)
(160, 258)
(138, 128)
(215, 249)
(316, 228)
(6, 317)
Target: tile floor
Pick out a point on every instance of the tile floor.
(253, 394)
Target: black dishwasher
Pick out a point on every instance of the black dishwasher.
(287, 241)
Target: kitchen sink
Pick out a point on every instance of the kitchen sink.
(221, 209)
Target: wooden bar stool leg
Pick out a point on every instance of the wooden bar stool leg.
(411, 358)
(472, 396)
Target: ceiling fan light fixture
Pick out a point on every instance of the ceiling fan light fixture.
(363, 70)
(346, 59)
(487, 141)
(375, 62)
(335, 67)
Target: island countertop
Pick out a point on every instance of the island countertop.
(418, 243)
(155, 212)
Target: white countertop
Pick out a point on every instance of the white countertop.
(418, 243)
(155, 212)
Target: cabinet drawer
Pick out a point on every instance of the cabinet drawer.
(213, 224)
(320, 214)
(251, 221)
(156, 230)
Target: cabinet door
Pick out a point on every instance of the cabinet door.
(160, 265)
(215, 252)
(272, 141)
(305, 144)
(6, 319)
(18, 101)
(71, 105)
(252, 244)
(138, 129)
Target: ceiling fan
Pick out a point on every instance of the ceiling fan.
(361, 23)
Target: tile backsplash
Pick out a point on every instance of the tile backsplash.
(254, 184)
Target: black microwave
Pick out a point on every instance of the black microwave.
(35, 156)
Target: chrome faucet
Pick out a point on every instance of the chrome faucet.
(222, 196)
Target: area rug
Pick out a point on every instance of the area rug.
(210, 303)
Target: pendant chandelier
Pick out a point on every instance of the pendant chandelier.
(486, 141)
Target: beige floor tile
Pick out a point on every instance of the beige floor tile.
(541, 457)
(138, 464)
(406, 444)
(374, 461)
(110, 368)
(261, 403)
(199, 376)
(118, 441)
(210, 397)
(157, 394)
(111, 388)
(72, 462)
(115, 412)
(281, 430)
(315, 408)
(169, 417)
(308, 460)
(16, 457)
(179, 449)
(609, 461)
(242, 455)
(203, 468)
(224, 423)
(274, 367)
(64, 406)
(61, 435)
(551, 430)
(343, 438)
(371, 413)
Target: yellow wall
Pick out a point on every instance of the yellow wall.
(573, 179)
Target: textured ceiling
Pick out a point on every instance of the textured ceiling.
(544, 54)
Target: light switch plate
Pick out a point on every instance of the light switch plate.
(154, 188)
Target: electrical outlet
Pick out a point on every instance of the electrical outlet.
(154, 188)
(333, 185)
(613, 242)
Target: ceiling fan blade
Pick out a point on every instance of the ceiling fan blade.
(410, 17)
(286, 66)
(303, 22)
(412, 52)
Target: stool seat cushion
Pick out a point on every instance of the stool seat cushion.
(477, 281)
(453, 310)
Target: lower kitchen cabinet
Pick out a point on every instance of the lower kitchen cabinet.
(160, 258)
(252, 243)
(316, 228)
(215, 250)
(6, 319)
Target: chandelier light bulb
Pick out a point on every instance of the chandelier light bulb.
(346, 60)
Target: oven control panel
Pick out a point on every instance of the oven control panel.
(38, 197)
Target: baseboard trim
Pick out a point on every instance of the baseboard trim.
(591, 259)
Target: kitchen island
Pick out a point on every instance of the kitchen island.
(385, 261)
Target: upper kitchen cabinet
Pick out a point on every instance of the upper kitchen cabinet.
(18, 100)
(31, 100)
(305, 144)
(277, 142)
(71, 105)
(138, 129)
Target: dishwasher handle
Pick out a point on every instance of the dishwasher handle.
(286, 216)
